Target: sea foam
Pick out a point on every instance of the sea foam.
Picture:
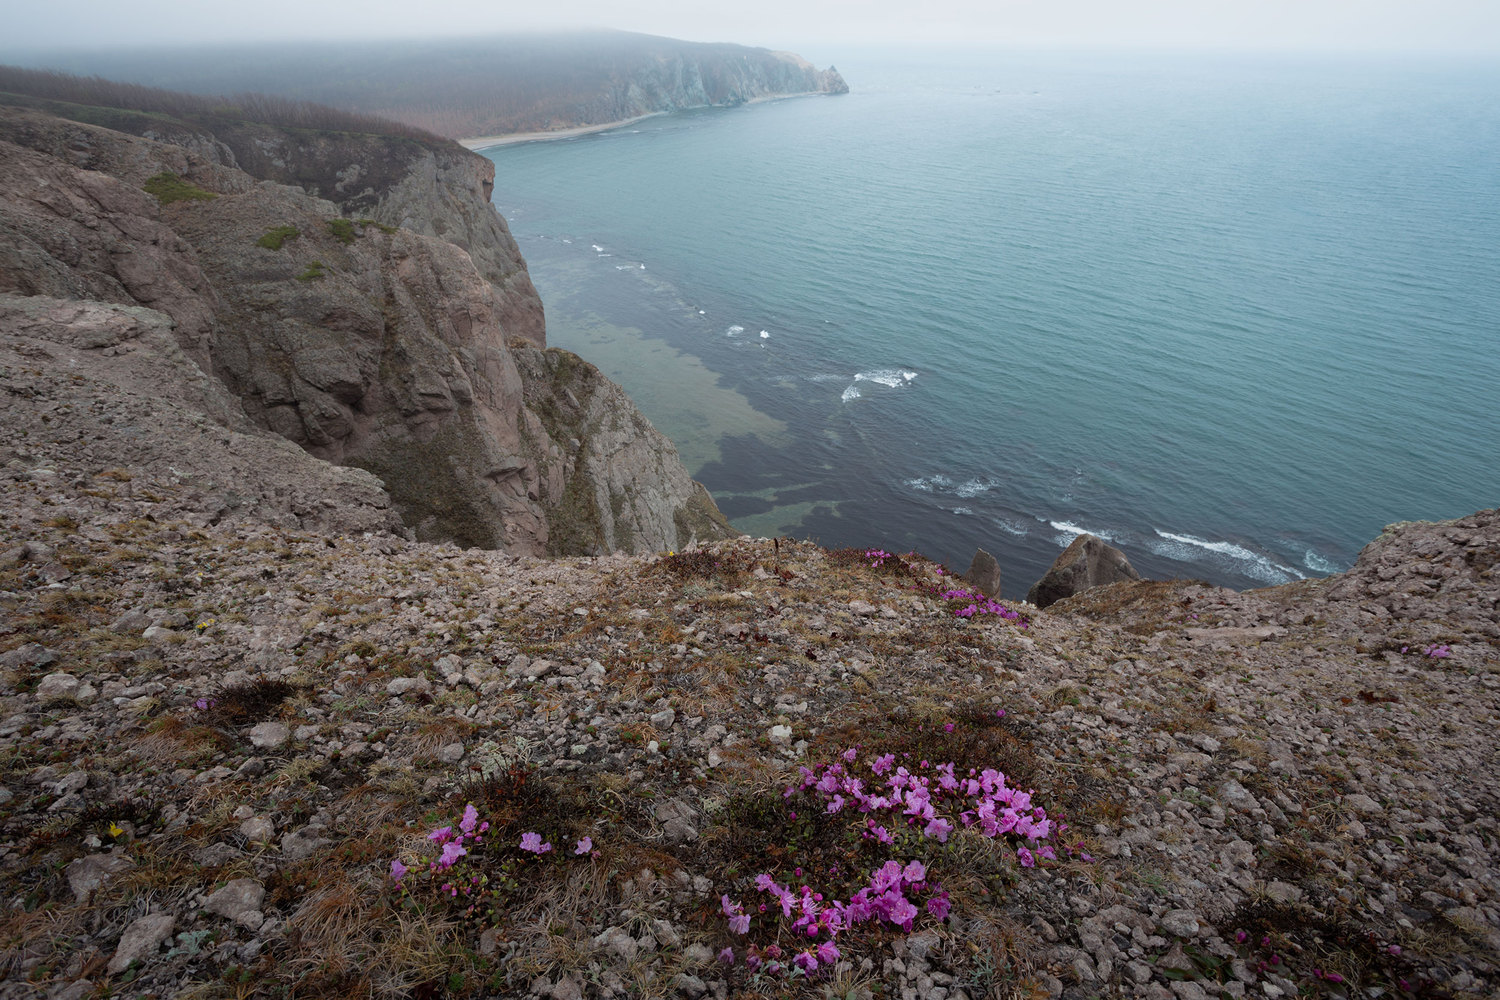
(1243, 560)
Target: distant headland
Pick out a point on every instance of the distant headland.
(536, 84)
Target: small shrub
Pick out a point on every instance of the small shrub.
(388, 230)
(314, 271)
(342, 230)
(168, 187)
(276, 238)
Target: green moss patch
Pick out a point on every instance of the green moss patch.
(342, 230)
(168, 187)
(278, 237)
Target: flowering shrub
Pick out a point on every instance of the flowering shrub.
(1370, 964)
(899, 808)
(461, 869)
(967, 604)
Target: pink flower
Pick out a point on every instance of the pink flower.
(441, 835)
(1025, 857)
(452, 851)
(727, 956)
(806, 962)
(883, 763)
(939, 906)
(938, 828)
(828, 953)
(471, 817)
(584, 846)
(398, 871)
(533, 842)
(914, 872)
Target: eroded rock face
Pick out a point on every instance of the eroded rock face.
(1088, 562)
(386, 345)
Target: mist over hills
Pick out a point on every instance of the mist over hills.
(470, 87)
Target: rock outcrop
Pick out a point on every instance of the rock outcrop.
(359, 296)
(1088, 562)
(983, 574)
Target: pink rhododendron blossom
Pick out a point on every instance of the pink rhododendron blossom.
(441, 835)
(533, 842)
(471, 818)
(584, 846)
(1025, 857)
(806, 962)
(398, 870)
(828, 953)
(939, 906)
(727, 956)
(938, 828)
(452, 851)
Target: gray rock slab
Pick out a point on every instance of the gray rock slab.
(141, 940)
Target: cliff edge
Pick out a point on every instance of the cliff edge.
(355, 292)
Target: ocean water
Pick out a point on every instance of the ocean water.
(1232, 313)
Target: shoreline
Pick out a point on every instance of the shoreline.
(477, 143)
(487, 141)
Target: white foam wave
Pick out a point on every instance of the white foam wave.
(764, 335)
(963, 510)
(1318, 564)
(597, 248)
(892, 377)
(624, 267)
(972, 488)
(1251, 564)
(734, 331)
(702, 313)
(1009, 527)
(824, 378)
(850, 393)
(927, 484)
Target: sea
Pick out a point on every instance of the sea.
(1233, 313)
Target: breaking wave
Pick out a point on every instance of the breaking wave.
(1186, 548)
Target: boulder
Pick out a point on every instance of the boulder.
(1087, 563)
(984, 574)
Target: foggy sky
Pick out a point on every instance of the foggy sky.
(817, 28)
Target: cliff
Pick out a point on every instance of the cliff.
(480, 86)
(360, 297)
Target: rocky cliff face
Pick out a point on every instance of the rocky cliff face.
(359, 296)
(672, 81)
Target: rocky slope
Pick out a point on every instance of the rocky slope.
(361, 298)
(229, 702)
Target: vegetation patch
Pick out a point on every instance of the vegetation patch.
(278, 237)
(342, 230)
(314, 271)
(168, 188)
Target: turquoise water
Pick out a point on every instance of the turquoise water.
(1234, 314)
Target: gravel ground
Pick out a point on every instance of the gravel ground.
(220, 723)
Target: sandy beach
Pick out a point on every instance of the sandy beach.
(486, 141)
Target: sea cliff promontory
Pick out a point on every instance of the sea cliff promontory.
(358, 295)
(479, 86)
